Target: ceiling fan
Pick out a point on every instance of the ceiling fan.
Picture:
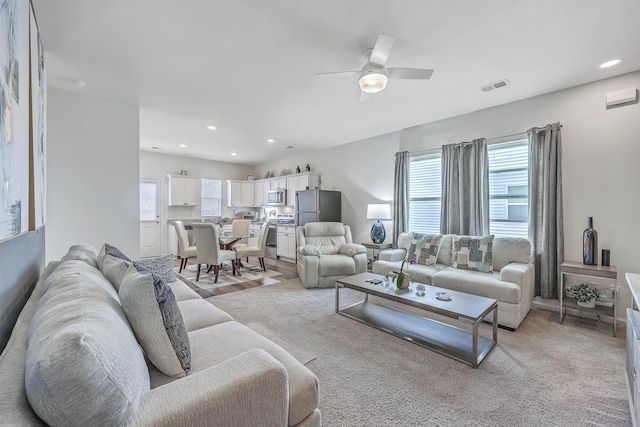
(374, 75)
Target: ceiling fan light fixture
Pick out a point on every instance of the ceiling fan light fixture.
(373, 82)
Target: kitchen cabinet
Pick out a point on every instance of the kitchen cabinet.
(286, 247)
(261, 192)
(240, 194)
(298, 182)
(183, 191)
(280, 182)
(248, 193)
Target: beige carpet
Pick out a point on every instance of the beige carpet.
(543, 374)
(225, 277)
(300, 354)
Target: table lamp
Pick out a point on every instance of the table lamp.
(378, 211)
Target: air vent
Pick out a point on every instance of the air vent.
(494, 85)
(288, 147)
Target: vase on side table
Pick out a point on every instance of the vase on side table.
(590, 245)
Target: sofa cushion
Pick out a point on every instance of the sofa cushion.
(162, 266)
(82, 252)
(83, 364)
(415, 246)
(198, 313)
(155, 317)
(510, 249)
(404, 240)
(237, 338)
(336, 265)
(473, 253)
(182, 291)
(478, 283)
(113, 264)
(423, 273)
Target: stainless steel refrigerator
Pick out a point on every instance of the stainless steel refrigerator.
(318, 206)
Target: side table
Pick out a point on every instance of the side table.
(589, 272)
(376, 248)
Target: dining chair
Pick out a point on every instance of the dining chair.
(208, 250)
(257, 251)
(185, 250)
(240, 227)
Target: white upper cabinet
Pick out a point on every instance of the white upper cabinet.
(240, 194)
(300, 182)
(183, 191)
(280, 182)
(261, 192)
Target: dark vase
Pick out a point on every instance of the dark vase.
(590, 245)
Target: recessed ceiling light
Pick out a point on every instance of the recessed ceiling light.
(234, 154)
(183, 145)
(211, 127)
(610, 63)
(271, 140)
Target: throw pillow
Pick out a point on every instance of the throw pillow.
(415, 247)
(473, 253)
(162, 266)
(429, 252)
(155, 318)
(113, 264)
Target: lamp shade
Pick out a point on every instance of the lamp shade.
(378, 211)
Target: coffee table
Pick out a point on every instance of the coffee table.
(460, 344)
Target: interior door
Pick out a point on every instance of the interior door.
(150, 231)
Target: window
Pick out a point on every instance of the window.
(210, 197)
(509, 188)
(425, 187)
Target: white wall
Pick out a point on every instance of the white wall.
(158, 166)
(92, 174)
(601, 153)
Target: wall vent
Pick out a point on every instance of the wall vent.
(494, 85)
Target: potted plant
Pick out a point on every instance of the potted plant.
(402, 279)
(584, 294)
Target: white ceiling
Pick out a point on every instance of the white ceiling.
(249, 66)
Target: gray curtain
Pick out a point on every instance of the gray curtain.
(546, 231)
(465, 188)
(401, 195)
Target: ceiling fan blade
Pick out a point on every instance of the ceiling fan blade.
(339, 74)
(381, 50)
(409, 73)
(364, 96)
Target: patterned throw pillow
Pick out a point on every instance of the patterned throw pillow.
(162, 266)
(155, 318)
(473, 253)
(414, 248)
(429, 251)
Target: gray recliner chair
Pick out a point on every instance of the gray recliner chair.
(326, 252)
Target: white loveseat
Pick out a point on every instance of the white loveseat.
(73, 359)
(511, 282)
(326, 252)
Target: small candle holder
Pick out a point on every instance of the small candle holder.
(420, 289)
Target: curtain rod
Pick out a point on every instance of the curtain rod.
(489, 141)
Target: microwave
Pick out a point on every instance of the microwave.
(277, 197)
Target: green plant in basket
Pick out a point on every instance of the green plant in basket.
(402, 279)
(582, 292)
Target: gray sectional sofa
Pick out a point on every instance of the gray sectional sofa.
(510, 281)
(74, 357)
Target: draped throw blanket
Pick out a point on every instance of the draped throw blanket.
(465, 188)
(546, 231)
(401, 195)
